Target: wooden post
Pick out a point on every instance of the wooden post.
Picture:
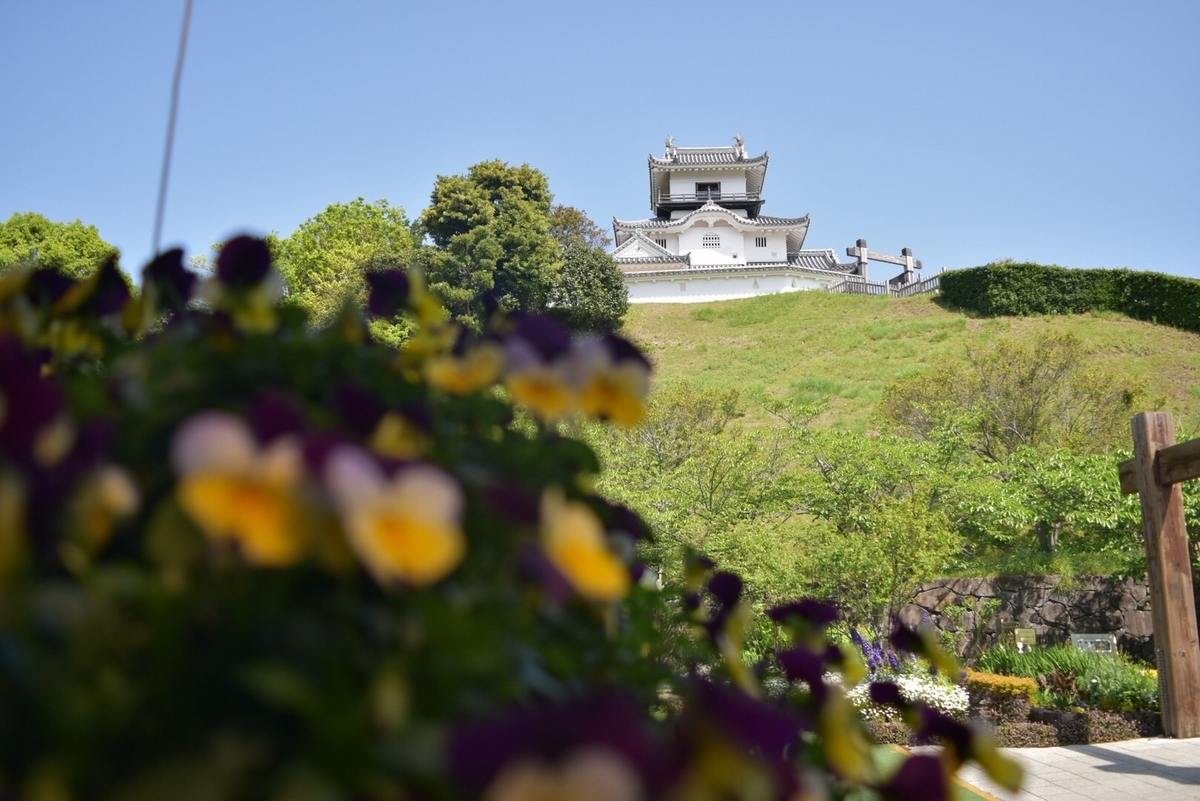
(1169, 565)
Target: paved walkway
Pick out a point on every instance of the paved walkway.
(1153, 769)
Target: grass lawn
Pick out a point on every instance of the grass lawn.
(811, 345)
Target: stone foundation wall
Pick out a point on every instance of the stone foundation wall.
(1054, 608)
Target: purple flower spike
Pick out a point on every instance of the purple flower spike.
(244, 262)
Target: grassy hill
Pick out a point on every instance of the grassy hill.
(806, 345)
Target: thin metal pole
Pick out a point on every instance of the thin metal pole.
(166, 166)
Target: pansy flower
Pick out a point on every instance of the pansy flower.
(592, 749)
(614, 379)
(576, 544)
(246, 285)
(238, 493)
(406, 528)
(540, 375)
(470, 366)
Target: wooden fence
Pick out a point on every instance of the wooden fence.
(1154, 473)
(854, 285)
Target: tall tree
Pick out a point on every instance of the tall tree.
(569, 224)
(492, 229)
(72, 248)
(590, 294)
(324, 262)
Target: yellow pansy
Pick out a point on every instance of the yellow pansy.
(238, 493)
(479, 367)
(592, 774)
(407, 528)
(396, 437)
(107, 495)
(611, 388)
(575, 542)
(545, 390)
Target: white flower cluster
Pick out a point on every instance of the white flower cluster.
(935, 693)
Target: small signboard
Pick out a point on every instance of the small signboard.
(1096, 643)
(1019, 638)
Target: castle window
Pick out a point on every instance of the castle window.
(711, 240)
(662, 243)
(760, 241)
(708, 191)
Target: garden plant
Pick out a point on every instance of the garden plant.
(241, 558)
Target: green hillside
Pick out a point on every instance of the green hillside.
(805, 345)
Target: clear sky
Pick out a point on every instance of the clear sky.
(1062, 132)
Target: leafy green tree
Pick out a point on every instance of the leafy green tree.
(72, 248)
(496, 233)
(569, 224)
(324, 261)
(492, 230)
(590, 294)
(879, 524)
(702, 480)
(1051, 503)
(1013, 395)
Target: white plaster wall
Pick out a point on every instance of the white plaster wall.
(684, 183)
(776, 249)
(733, 241)
(689, 288)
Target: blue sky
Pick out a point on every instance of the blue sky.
(1061, 132)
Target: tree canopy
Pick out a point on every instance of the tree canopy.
(496, 232)
(1014, 396)
(324, 262)
(71, 248)
(492, 231)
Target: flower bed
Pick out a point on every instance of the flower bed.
(1004, 703)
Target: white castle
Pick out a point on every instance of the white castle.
(708, 241)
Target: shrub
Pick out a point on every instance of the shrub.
(999, 698)
(1007, 288)
(1097, 726)
(1025, 734)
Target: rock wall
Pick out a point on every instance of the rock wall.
(1054, 608)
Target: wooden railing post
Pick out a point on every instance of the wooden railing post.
(1168, 562)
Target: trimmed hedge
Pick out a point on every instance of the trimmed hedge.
(999, 698)
(1096, 726)
(1024, 734)
(1020, 289)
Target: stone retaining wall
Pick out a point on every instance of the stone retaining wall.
(1054, 608)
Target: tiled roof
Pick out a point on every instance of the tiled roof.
(750, 222)
(823, 260)
(754, 267)
(705, 157)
